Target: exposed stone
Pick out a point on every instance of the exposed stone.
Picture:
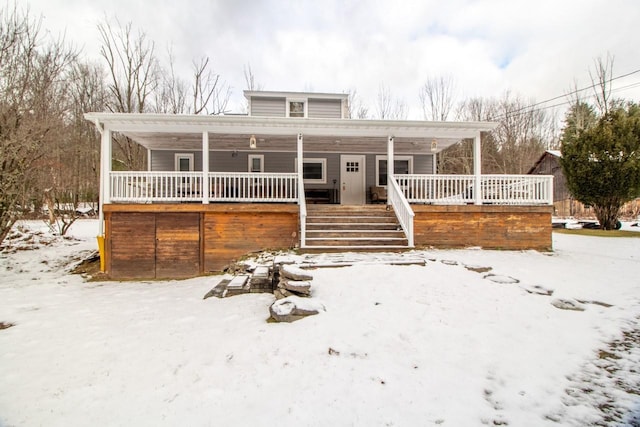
(281, 293)
(449, 262)
(567, 304)
(496, 278)
(218, 290)
(295, 273)
(294, 308)
(477, 268)
(299, 287)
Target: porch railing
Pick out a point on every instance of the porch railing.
(142, 187)
(496, 189)
(253, 187)
(401, 206)
(147, 187)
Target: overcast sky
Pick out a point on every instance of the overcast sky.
(535, 48)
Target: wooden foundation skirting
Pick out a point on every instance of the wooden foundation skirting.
(145, 241)
(185, 240)
(487, 226)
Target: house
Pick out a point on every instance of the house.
(564, 204)
(296, 172)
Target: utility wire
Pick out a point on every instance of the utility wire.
(529, 108)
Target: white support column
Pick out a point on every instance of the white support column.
(390, 162)
(205, 168)
(477, 169)
(105, 174)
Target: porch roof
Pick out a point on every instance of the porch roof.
(174, 131)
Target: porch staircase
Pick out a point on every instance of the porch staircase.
(339, 228)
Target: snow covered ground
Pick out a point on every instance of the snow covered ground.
(439, 344)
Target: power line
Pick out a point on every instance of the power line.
(576, 91)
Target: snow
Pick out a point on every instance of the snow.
(431, 344)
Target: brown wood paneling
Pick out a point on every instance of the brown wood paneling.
(497, 227)
(177, 245)
(229, 235)
(131, 243)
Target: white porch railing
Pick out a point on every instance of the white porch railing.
(496, 189)
(144, 187)
(147, 187)
(253, 187)
(401, 206)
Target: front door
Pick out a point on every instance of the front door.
(352, 179)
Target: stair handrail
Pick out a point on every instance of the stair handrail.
(303, 211)
(401, 207)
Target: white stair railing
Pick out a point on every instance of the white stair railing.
(401, 207)
(303, 212)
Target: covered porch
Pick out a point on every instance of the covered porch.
(261, 162)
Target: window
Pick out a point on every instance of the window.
(314, 171)
(184, 162)
(296, 108)
(256, 163)
(401, 165)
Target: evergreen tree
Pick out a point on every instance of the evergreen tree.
(601, 159)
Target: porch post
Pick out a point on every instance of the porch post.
(477, 169)
(205, 168)
(390, 162)
(105, 174)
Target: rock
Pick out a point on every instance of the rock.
(218, 290)
(294, 308)
(295, 273)
(298, 287)
(449, 262)
(281, 293)
(477, 268)
(567, 304)
(501, 279)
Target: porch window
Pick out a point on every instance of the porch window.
(184, 162)
(256, 163)
(296, 108)
(314, 171)
(401, 165)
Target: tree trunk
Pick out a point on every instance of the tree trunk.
(607, 215)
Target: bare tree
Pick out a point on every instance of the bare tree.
(355, 108)
(250, 78)
(601, 82)
(437, 97)
(210, 94)
(133, 78)
(388, 107)
(32, 109)
(171, 96)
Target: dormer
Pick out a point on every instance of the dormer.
(297, 104)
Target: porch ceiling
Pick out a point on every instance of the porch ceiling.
(286, 143)
(184, 132)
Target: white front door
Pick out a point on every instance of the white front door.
(352, 179)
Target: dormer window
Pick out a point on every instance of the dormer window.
(296, 108)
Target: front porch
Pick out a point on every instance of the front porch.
(209, 211)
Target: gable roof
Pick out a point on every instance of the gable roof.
(554, 153)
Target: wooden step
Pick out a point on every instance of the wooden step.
(351, 234)
(315, 226)
(356, 241)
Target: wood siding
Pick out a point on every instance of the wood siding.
(492, 227)
(268, 107)
(184, 240)
(324, 108)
